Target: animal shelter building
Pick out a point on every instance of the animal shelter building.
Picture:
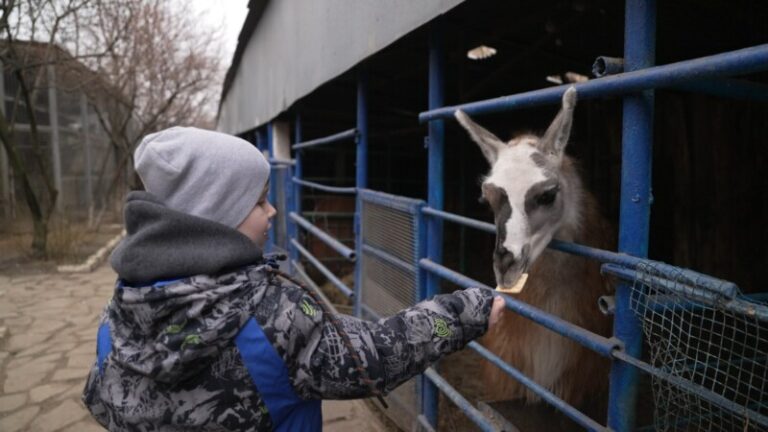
(617, 149)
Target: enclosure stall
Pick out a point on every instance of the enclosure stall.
(377, 188)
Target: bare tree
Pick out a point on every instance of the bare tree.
(28, 62)
(149, 66)
(163, 72)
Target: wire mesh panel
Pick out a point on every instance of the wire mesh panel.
(390, 277)
(712, 346)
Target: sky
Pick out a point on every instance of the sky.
(226, 14)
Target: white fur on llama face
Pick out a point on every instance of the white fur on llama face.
(525, 190)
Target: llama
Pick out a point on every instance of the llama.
(536, 194)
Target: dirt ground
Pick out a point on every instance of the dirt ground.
(68, 243)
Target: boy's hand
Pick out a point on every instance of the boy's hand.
(496, 308)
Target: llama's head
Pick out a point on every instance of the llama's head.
(526, 189)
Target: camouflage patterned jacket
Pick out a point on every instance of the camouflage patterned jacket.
(235, 348)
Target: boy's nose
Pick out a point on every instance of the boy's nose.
(272, 211)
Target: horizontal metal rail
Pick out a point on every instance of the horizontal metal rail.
(389, 258)
(424, 423)
(601, 345)
(548, 396)
(313, 286)
(322, 187)
(699, 391)
(274, 161)
(681, 288)
(743, 61)
(722, 87)
(323, 269)
(705, 282)
(727, 88)
(334, 244)
(322, 214)
(472, 413)
(341, 136)
(461, 220)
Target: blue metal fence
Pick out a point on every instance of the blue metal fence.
(423, 269)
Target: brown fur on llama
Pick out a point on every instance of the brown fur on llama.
(536, 194)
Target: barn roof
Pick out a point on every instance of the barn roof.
(287, 49)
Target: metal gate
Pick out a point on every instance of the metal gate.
(708, 344)
(392, 242)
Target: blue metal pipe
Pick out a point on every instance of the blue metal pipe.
(727, 88)
(361, 175)
(692, 388)
(313, 286)
(682, 275)
(690, 277)
(470, 411)
(693, 293)
(722, 87)
(324, 236)
(605, 66)
(297, 173)
(409, 205)
(269, 144)
(365, 308)
(595, 342)
(323, 269)
(635, 204)
(424, 423)
(322, 187)
(545, 394)
(341, 136)
(435, 183)
(462, 220)
(389, 258)
(261, 139)
(281, 162)
(743, 61)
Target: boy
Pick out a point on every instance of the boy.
(202, 335)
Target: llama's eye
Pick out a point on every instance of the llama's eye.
(547, 198)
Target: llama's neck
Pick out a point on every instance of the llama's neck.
(572, 225)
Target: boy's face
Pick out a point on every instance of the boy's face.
(256, 224)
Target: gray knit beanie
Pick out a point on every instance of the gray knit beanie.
(203, 173)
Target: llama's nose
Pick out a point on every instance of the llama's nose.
(504, 259)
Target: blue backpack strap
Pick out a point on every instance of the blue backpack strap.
(270, 376)
(103, 345)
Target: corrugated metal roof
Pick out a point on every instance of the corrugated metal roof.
(287, 49)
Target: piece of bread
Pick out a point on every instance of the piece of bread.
(515, 289)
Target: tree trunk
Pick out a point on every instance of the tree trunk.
(39, 218)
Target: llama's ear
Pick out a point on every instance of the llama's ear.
(556, 138)
(489, 143)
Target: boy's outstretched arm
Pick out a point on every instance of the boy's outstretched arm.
(391, 350)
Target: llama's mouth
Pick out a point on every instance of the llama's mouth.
(515, 288)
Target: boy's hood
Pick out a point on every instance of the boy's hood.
(186, 287)
(164, 244)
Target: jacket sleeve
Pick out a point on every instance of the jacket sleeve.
(391, 350)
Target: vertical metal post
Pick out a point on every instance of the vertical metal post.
(53, 112)
(435, 186)
(5, 178)
(361, 177)
(297, 132)
(635, 207)
(261, 138)
(84, 121)
(270, 142)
